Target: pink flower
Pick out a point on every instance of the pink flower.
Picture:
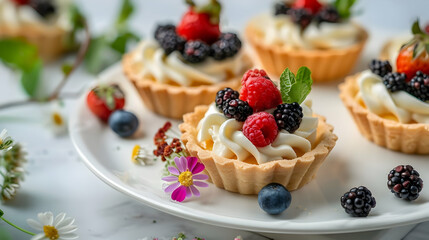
(185, 176)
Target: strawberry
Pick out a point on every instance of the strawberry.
(21, 2)
(201, 23)
(104, 100)
(414, 55)
(312, 5)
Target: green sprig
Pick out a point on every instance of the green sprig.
(344, 7)
(295, 89)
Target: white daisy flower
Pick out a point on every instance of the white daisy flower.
(58, 228)
(9, 191)
(56, 118)
(141, 156)
(5, 141)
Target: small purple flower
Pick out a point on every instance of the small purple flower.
(185, 176)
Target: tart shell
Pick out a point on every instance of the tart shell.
(50, 41)
(326, 65)
(246, 178)
(407, 138)
(169, 100)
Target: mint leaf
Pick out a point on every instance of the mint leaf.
(127, 9)
(302, 87)
(344, 7)
(121, 41)
(30, 78)
(415, 29)
(66, 69)
(18, 54)
(287, 79)
(295, 89)
(100, 55)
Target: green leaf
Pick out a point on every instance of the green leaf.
(18, 53)
(287, 79)
(1, 213)
(302, 86)
(100, 55)
(127, 9)
(31, 77)
(344, 7)
(121, 41)
(66, 69)
(415, 29)
(77, 20)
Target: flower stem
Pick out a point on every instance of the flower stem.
(13, 225)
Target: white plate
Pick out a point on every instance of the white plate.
(314, 209)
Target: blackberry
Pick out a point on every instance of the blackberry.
(171, 42)
(358, 201)
(301, 16)
(162, 29)
(419, 86)
(281, 8)
(44, 8)
(405, 182)
(381, 68)
(236, 108)
(395, 81)
(224, 95)
(227, 46)
(328, 14)
(196, 51)
(288, 116)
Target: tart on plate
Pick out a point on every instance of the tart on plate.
(185, 65)
(259, 136)
(391, 108)
(307, 33)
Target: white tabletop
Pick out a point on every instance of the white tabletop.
(58, 181)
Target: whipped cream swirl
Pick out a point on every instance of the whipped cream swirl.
(280, 30)
(171, 68)
(405, 107)
(230, 142)
(14, 15)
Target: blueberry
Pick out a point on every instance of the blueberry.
(123, 123)
(274, 198)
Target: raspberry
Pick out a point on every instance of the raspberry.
(261, 129)
(224, 95)
(328, 14)
(395, 81)
(358, 201)
(381, 68)
(162, 29)
(281, 8)
(260, 93)
(405, 182)
(43, 7)
(196, 51)
(419, 86)
(171, 42)
(227, 46)
(288, 116)
(301, 16)
(235, 108)
(253, 73)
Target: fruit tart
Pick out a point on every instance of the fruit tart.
(185, 65)
(307, 33)
(391, 108)
(260, 135)
(44, 23)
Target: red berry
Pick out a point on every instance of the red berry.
(261, 129)
(253, 73)
(22, 2)
(99, 104)
(427, 28)
(312, 5)
(197, 26)
(260, 93)
(406, 64)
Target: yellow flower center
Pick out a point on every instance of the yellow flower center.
(51, 232)
(58, 120)
(185, 178)
(136, 150)
(1, 141)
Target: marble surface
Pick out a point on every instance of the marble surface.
(58, 181)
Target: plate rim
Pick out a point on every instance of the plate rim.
(218, 220)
